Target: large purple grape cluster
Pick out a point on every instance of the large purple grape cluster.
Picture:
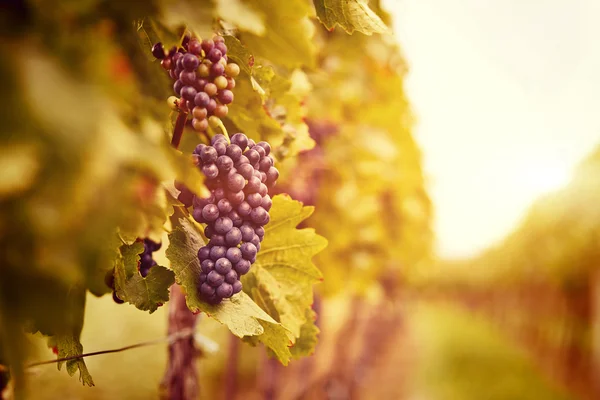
(146, 260)
(239, 175)
(202, 78)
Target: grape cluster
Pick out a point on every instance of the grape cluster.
(146, 260)
(203, 79)
(239, 175)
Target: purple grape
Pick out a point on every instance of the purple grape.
(236, 197)
(190, 62)
(225, 96)
(253, 185)
(206, 290)
(217, 252)
(208, 231)
(258, 215)
(247, 233)
(234, 255)
(197, 215)
(259, 231)
(265, 146)
(212, 105)
(234, 152)
(235, 218)
(225, 290)
(217, 240)
(217, 69)
(242, 267)
(223, 225)
(211, 171)
(207, 266)
(188, 78)
(246, 170)
(219, 193)
(203, 253)
(260, 151)
(207, 45)
(214, 55)
(214, 278)
(266, 203)
(237, 287)
(188, 93)
(233, 237)
(221, 148)
(242, 160)
(224, 163)
(231, 276)
(208, 154)
(201, 99)
(224, 206)
(248, 249)
(210, 212)
(235, 182)
(177, 86)
(223, 266)
(252, 155)
(254, 200)
(221, 46)
(158, 51)
(244, 209)
(240, 139)
(263, 190)
(272, 175)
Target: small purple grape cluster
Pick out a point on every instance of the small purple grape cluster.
(146, 260)
(203, 79)
(239, 175)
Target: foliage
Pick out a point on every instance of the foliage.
(88, 167)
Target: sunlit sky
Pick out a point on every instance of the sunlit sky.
(507, 100)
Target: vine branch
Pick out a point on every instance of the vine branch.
(183, 334)
(178, 131)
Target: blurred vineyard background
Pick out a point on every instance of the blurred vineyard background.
(516, 321)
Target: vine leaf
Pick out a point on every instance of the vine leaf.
(307, 341)
(240, 314)
(67, 342)
(351, 15)
(287, 39)
(282, 279)
(145, 293)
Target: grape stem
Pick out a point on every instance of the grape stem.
(178, 131)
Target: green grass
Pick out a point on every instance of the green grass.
(462, 357)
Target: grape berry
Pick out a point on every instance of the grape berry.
(239, 175)
(202, 78)
(146, 261)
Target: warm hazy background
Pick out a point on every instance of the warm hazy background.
(506, 95)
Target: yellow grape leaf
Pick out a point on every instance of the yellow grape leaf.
(351, 15)
(146, 293)
(282, 279)
(240, 314)
(287, 40)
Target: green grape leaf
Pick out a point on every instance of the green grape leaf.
(351, 15)
(67, 342)
(240, 314)
(145, 293)
(282, 279)
(287, 39)
(307, 341)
